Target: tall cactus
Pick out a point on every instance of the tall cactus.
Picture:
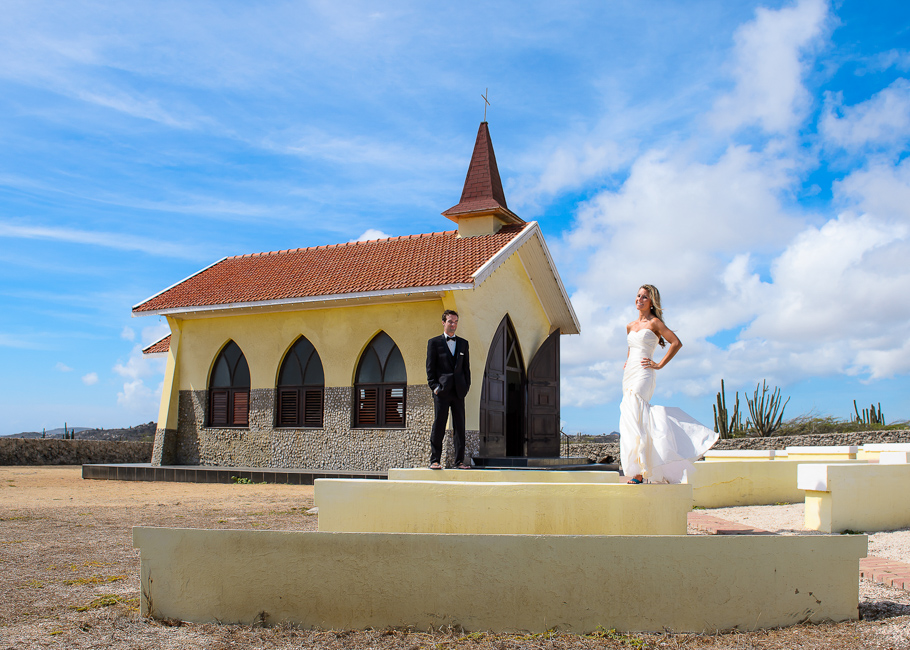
(871, 415)
(722, 425)
(766, 410)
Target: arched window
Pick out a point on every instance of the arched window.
(300, 387)
(229, 389)
(379, 385)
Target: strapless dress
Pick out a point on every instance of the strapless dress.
(660, 443)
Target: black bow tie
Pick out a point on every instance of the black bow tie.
(450, 338)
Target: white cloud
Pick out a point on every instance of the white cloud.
(155, 332)
(883, 120)
(117, 241)
(62, 367)
(569, 165)
(790, 293)
(90, 379)
(371, 233)
(138, 366)
(769, 67)
(136, 396)
(128, 334)
(881, 189)
(835, 282)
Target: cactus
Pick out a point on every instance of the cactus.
(871, 415)
(727, 428)
(766, 410)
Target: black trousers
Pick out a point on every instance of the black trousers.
(443, 404)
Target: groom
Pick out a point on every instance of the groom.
(449, 377)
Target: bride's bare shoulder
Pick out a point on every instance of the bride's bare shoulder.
(630, 326)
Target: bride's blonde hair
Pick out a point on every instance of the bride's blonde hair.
(654, 297)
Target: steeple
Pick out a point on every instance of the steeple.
(482, 209)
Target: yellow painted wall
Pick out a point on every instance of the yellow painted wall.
(339, 335)
(503, 475)
(865, 497)
(347, 505)
(503, 583)
(720, 484)
(507, 291)
(342, 333)
(170, 390)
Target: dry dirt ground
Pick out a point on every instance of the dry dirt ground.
(69, 577)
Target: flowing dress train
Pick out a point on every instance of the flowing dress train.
(658, 442)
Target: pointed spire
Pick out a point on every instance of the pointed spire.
(482, 194)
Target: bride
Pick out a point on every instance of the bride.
(657, 444)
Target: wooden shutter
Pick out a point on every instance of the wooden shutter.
(241, 413)
(219, 409)
(394, 407)
(543, 399)
(312, 407)
(367, 408)
(288, 415)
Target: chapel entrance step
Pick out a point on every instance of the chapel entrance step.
(529, 462)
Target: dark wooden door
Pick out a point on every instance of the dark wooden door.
(493, 396)
(543, 399)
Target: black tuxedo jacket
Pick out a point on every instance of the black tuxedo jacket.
(450, 374)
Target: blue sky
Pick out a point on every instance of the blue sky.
(750, 159)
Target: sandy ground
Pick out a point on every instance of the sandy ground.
(788, 520)
(69, 577)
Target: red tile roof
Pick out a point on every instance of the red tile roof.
(159, 346)
(414, 261)
(482, 186)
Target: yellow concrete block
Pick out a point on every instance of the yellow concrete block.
(894, 457)
(872, 451)
(838, 452)
(864, 497)
(746, 483)
(503, 583)
(504, 475)
(352, 505)
(739, 455)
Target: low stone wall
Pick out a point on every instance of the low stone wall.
(816, 440)
(596, 451)
(46, 451)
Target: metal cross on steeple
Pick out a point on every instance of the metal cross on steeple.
(486, 102)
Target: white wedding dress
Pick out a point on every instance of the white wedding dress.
(658, 442)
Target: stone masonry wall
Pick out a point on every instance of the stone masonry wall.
(337, 445)
(45, 451)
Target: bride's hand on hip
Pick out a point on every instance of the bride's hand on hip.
(648, 363)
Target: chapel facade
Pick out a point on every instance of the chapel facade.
(315, 357)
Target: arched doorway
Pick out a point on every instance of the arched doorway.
(502, 398)
(519, 409)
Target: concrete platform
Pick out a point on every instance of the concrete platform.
(864, 497)
(523, 475)
(872, 451)
(528, 461)
(481, 508)
(503, 583)
(719, 484)
(201, 474)
(835, 452)
(729, 455)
